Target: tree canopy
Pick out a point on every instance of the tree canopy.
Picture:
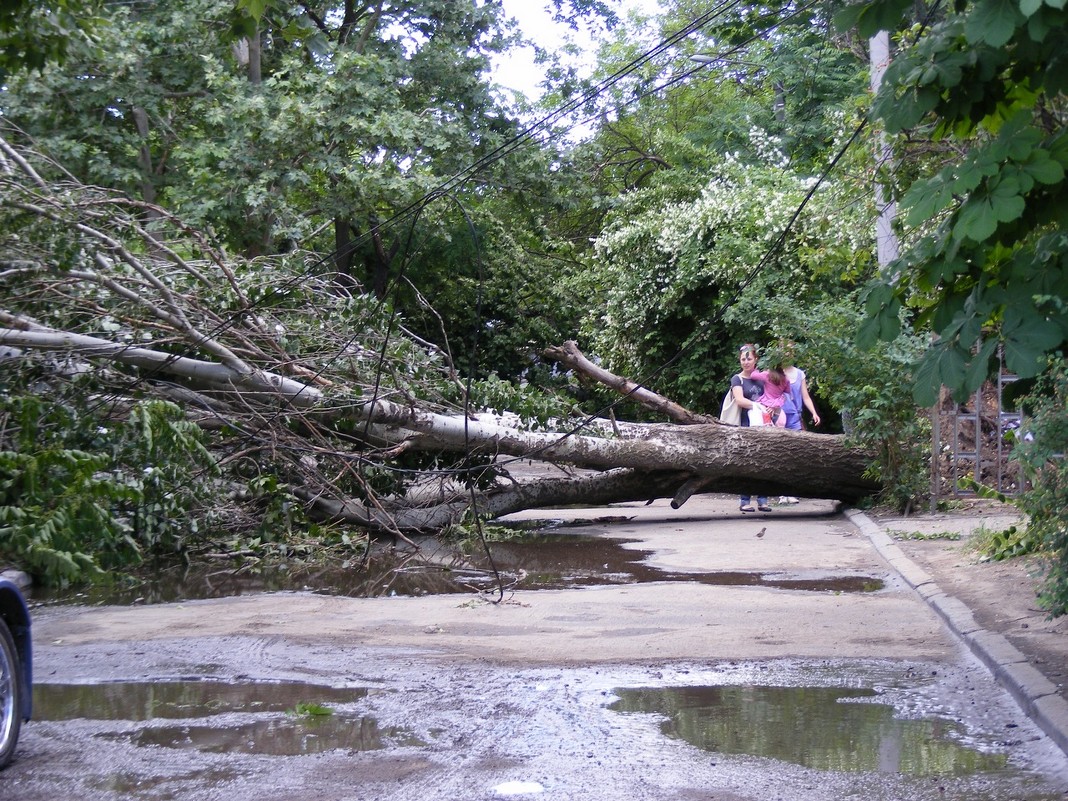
(985, 83)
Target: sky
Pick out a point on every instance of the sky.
(518, 70)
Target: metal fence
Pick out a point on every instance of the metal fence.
(972, 440)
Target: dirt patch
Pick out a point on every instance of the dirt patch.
(1002, 595)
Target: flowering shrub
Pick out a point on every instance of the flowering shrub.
(667, 267)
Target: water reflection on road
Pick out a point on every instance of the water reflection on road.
(825, 728)
(540, 560)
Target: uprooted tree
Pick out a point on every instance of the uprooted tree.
(109, 303)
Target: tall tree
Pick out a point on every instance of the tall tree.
(982, 85)
(282, 126)
(265, 128)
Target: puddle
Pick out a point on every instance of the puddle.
(558, 561)
(290, 736)
(129, 785)
(279, 729)
(824, 728)
(140, 701)
(543, 560)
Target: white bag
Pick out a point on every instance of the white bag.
(730, 412)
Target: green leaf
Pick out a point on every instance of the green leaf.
(1029, 7)
(976, 221)
(254, 8)
(993, 22)
(1006, 204)
(881, 321)
(925, 385)
(1028, 339)
(946, 269)
(979, 368)
(1043, 168)
(969, 176)
(924, 199)
(905, 111)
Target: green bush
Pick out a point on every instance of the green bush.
(55, 513)
(1041, 452)
(78, 498)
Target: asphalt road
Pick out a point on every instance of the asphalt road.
(455, 697)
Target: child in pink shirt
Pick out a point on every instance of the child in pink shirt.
(776, 385)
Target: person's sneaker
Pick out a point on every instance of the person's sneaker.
(792, 499)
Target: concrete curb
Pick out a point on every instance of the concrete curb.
(1036, 695)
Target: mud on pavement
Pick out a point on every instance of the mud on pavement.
(455, 697)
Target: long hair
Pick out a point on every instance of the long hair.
(777, 377)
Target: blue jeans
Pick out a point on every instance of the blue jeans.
(744, 500)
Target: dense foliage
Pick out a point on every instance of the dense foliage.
(78, 498)
(338, 193)
(986, 80)
(1041, 449)
(983, 85)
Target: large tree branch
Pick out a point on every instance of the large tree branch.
(616, 486)
(569, 355)
(205, 374)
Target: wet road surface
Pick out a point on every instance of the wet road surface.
(648, 690)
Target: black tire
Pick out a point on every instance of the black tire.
(11, 695)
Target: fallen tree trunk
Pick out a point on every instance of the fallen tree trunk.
(615, 486)
(761, 460)
(658, 460)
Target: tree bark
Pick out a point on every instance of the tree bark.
(569, 354)
(209, 375)
(616, 486)
(764, 460)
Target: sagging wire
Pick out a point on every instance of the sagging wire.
(414, 209)
(701, 332)
(471, 370)
(412, 212)
(676, 79)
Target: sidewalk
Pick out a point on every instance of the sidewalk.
(990, 606)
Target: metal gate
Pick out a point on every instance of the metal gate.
(971, 440)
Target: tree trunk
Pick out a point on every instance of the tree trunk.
(616, 486)
(569, 355)
(765, 460)
(255, 56)
(379, 261)
(344, 257)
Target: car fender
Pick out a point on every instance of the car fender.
(16, 614)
